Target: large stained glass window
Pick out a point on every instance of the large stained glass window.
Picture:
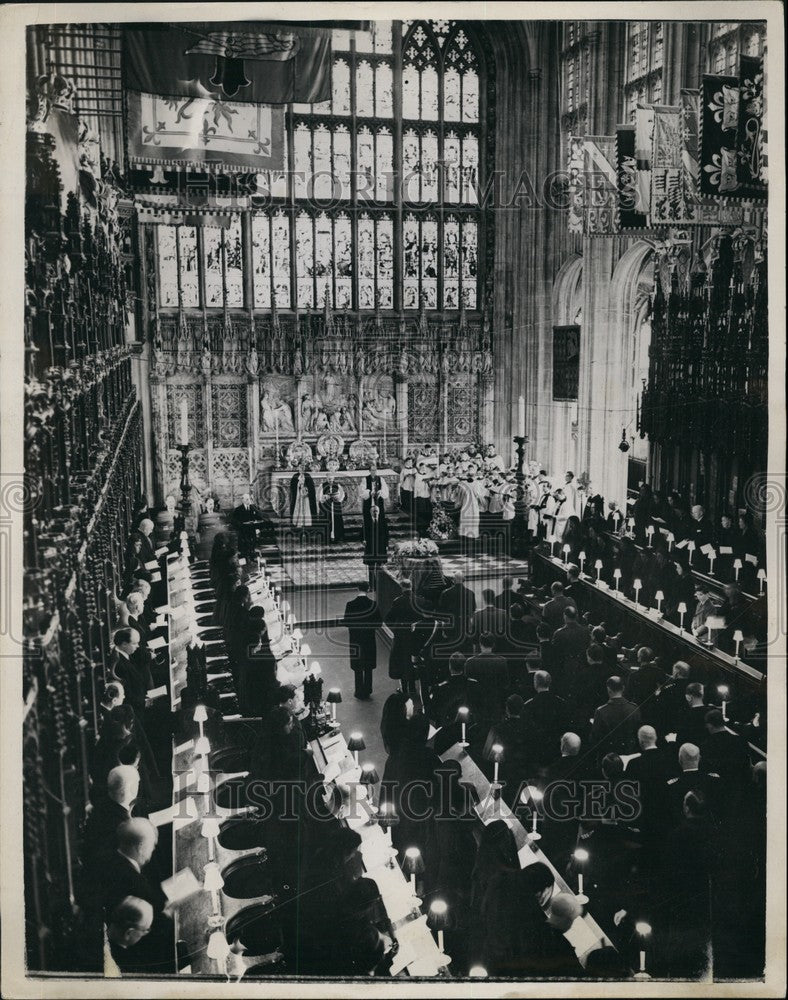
(380, 204)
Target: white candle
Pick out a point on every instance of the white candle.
(642, 961)
(521, 416)
(712, 557)
(582, 558)
(533, 827)
(184, 422)
(413, 882)
(463, 732)
(580, 884)
(495, 776)
(440, 942)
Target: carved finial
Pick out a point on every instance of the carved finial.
(327, 314)
(275, 314)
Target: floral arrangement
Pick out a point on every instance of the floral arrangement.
(441, 526)
(416, 548)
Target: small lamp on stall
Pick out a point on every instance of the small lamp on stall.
(714, 623)
(581, 856)
(724, 692)
(438, 919)
(218, 949)
(712, 556)
(738, 638)
(671, 539)
(682, 610)
(212, 883)
(463, 717)
(387, 818)
(659, 597)
(413, 865)
(202, 746)
(598, 568)
(566, 550)
(636, 586)
(200, 717)
(334, 698)
(210, 830)
(370, 778)
(552, 541)
(581, 557)
(356, 743)
(761, 574)
(643, 930)
(616, 577)
(532, 796)
(690, 549)
(650, 535)
(477, 972)
(737, 564)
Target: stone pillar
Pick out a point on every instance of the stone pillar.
(207, 409)
(401, 391)
(487, 409)
(159, 437)
(253, 426)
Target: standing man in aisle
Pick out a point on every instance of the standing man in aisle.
(362, 619)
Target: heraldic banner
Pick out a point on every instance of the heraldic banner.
(245, 61)
(205, 133)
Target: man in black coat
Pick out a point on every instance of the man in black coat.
(616, 723)
(570, 643)
(456, 606)
(247, 518)
(651, 769)
(553, 611)
(116, 805)
(545, 719)
(672, 699)
(692, 722)
(691, 778)
(508, 595)
(643, 683)
(362, 619)
(456, 692)
(401, 618)
(492, 673)
(131, 665)
(147, 551)
(490, 619)
(725, 753)
(124, 873)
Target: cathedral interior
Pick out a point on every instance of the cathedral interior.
(457, 311)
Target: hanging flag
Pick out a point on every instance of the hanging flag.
(601, 186)
(244, 61)
(674, 167)
(626, 173)
(204, 133)
(644, 132)
(752, 166)
(719, 132)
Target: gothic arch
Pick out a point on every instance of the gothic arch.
(568, 292)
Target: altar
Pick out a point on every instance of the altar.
(351, 481)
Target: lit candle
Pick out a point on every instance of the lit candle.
(723, 692)
(184, 422)
(498, 753)
(643, 929)
(535, 796)
(521, 416)
(581, 856)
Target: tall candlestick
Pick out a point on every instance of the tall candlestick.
(580, 884)
(712, 557)
(642, 961)
(495, 776)
(464, 741)
(521, 416)
(413, 882)
(184, 422)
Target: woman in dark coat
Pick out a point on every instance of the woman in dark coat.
(514, 920)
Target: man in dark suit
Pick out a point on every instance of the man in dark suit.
(492, 674)
(553, 611)
(651, 770)
(490, 619)
(545, 719)
(569, 644)
(131, 665)
(456, 606)
(692, 779)
(692, 725)
(615, 725)
(128, 926)
(508, 595)
(454, 693)
(247, 519)
(562, 793)
(573, 588)
(700, 529)
(110, 809)
(401, 618)
(643, 683)
(726, 754)
(362, 619)
(124, 875)
(147, 552)
(672, 699)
